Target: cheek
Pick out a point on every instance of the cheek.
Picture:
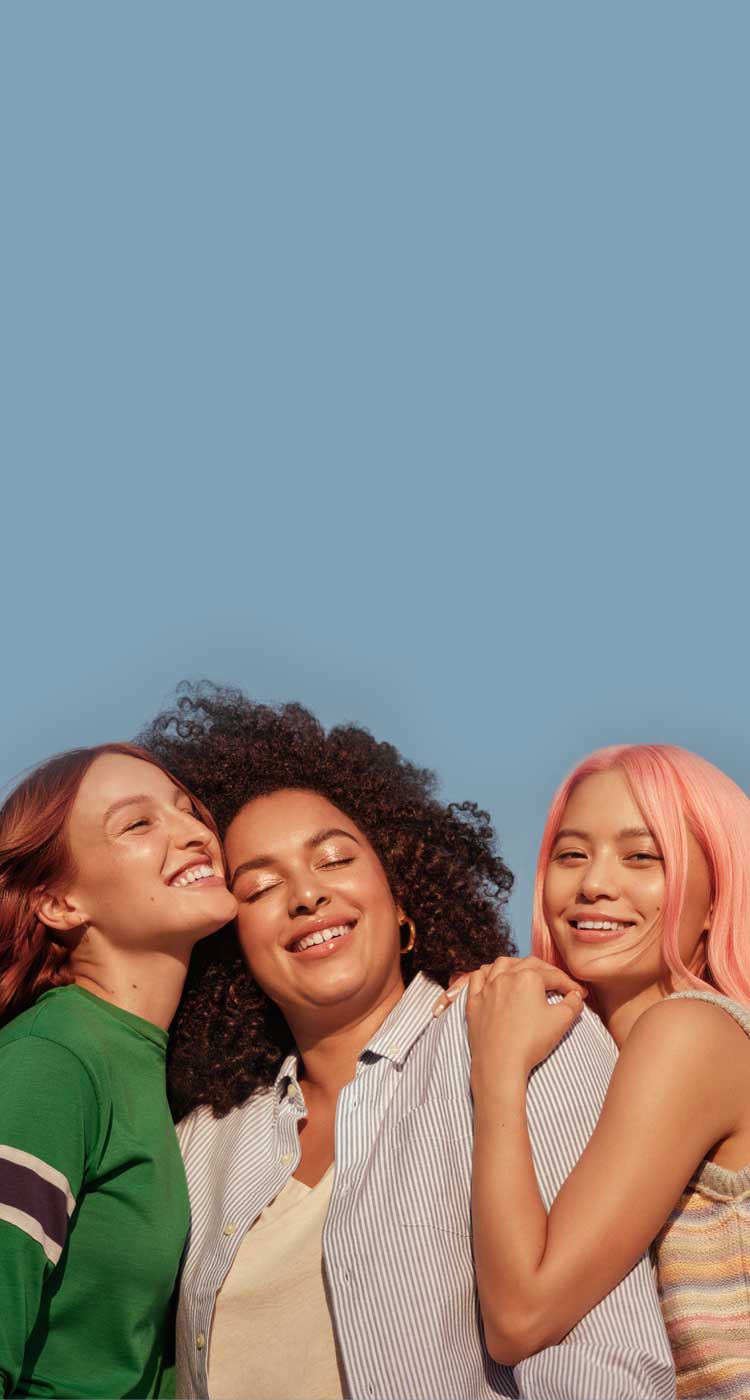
(367, 886)
(133, 864)
(555, 892)
(257, 943)
(245, 932)
(647, 894)
(107, 881)
(379, 900)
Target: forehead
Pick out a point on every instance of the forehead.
(283, 820)
(602, 801)
(113, 776)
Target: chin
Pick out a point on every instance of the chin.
(210, 923)
(343, 989)
(220, 909)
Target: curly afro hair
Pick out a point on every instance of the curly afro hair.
(228, 1038)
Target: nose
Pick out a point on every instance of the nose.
(190, 831)
(599, 878)
(306, 894)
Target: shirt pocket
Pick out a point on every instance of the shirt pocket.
(430, 1167)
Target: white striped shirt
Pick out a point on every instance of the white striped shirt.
(397, 1238)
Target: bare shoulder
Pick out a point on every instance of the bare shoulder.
(690, 1039)
(691, 1022)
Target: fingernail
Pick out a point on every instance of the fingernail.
(437, 1010)
(453, 992)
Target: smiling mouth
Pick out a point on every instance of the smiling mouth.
(327, 936)
(194, 875)
(603, 925)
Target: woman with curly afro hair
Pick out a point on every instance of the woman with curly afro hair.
(228, 1039)
(328, 1127)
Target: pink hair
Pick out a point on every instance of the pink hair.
(677, 792)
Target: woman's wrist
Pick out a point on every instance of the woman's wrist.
(501, 1084)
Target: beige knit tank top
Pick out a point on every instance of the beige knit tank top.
(703, 1270)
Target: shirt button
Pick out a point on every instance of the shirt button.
(393, 1049)
(287, 1157)
(291, 1090)
(230, 1228)
(200, 1340)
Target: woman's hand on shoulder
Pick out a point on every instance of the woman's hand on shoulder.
(508, 1014)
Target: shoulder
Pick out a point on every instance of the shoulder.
(49, 1104)
(201, 1132)
(586, 1052)
(50, 1051)
(566, 1092)
(688, 1027)
(55, 1016)
(687, 1051)
(195, 1127)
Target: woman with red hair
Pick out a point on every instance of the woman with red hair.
(643, 895)
(109, 874)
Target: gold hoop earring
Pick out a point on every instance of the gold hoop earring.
(409, 945)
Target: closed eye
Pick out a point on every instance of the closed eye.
(258, 894)
(133, 825)
(345, 860)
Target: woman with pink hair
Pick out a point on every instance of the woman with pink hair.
(643, 895)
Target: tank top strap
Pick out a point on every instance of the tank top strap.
(735, 1009)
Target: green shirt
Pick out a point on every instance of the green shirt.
(93, 1202)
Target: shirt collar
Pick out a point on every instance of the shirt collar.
(287, 1074)
(393, 1040)
(407, 1020)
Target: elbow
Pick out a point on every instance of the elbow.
(515, 1333)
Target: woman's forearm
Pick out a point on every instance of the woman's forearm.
(508, 1214)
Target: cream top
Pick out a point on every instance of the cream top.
(273, 1335)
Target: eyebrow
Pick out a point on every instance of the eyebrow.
(628, 832)
(258, 862)
(137, 797)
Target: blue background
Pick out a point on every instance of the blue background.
(392, 357)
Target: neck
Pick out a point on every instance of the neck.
(147, 984)
(620, 1007)
(620, 1003)
(329, 1056)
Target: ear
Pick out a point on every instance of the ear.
(58, 912)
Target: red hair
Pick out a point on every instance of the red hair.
(34, 857)
(677, 791)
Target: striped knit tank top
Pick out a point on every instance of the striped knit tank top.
(703, 1271)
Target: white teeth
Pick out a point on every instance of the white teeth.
(609, 924)
(189, 877)
(322, 936)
